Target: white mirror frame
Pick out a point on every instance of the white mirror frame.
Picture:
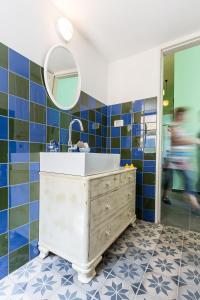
(46, 78)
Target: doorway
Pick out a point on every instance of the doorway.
(181, 89)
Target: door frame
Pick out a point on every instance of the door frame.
(169, 48)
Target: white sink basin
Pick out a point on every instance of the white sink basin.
(76, 163)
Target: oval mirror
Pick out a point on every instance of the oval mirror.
(62, 77)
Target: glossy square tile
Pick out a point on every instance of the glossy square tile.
(18, 86)
(4, 175)
(18, 130)
(3, 104)
(4, 151)
(3, 244)
(18, 258)
(53, 117)
(18, 194)
(3, 221)
(3, 56)
(37, 113)
(3, 128)
(37, 133)
(34, 211)
(18, 216)
(18, 173)
(3, 268)
(18, 63)
(36, 73)
(37, 93)
(18, 237)
(3, 198)
(18, 152)
(3, 80)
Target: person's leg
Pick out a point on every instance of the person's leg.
(167, 185)
(189, 189)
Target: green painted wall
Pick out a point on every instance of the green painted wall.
(187, 93)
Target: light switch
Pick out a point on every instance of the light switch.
(118, 123)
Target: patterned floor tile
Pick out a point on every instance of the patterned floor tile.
(168, 251)
(159, 287)
(191, 259)
(137, 255)
(128, 271)
(164, 266)
(188, 293)
(116, 288)
(191, 275)
(62, 266)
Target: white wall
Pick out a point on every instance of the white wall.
(135, 77)
(138, 76)
(28, 26)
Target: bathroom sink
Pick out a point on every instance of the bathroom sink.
(82, 164)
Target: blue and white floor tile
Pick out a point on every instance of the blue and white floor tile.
(147, 262)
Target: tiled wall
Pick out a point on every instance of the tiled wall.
(28, 121)
(136, 142)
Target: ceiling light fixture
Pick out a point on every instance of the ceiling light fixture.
(65, 28)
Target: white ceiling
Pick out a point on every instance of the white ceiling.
(120, 28)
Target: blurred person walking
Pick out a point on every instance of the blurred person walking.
(179, 159)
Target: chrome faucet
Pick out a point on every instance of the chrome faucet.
(70, 145)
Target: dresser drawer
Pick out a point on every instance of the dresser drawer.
(104, 236)
(127, 177)
(103, 185)
(107, 205)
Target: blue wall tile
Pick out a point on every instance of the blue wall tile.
(150, 166)
(3, 221)
(18, 108)
(115, 150)
(98, 141)
(148, 215)
(34, 211)
(139, 178)
(138, 106)
(3, 128)
(18, 194)
(53, 117)
(34, 249)
(34, 171)
(18, 151)
(64, 136)
(115, 131)
(126, 118)
(3, 80)
(37, 93)
(3, 174)
(84, 114)
(37, 133)
(116, 109)
(18, 63)
(125, 142)
(84, 137)
(98, 117)
(149, 191)
(3, 266)
(137, 153)
(18, 237)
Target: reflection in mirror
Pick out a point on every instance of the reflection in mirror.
(62, 77)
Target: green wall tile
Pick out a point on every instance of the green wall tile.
(18, 258)
(3, 244)
(92, 140)
(63, 148)
(18, 216)
(65, 120)
(18, 173)
(115, 142)
(18, 130)
(50, 103)
(125, 130)
(34, 191)
(18, 86)
(149, 155)
(52, 133)
(3, 198)
(148, 203)
(75, 136)
(3, 104)
(37, 113)
(3, 151)
(114, 118)
(36, 73)
(137, 142)
(34, 231)
(125, 154)
(138, 164)
(3, 56)
(137, 118)
(92, 116)
(126, 107)
(35, 149)
(149, 178)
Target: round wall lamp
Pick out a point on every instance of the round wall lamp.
(65, 28)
